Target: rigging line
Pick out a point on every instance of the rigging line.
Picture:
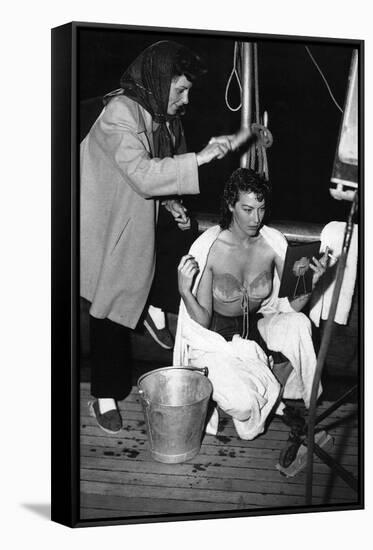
(233, 73)
(324, 79)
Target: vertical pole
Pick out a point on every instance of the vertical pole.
(246, 110)
(324, 349)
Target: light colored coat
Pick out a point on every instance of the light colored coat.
(119, 180)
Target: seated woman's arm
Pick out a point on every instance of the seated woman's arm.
(200, 307)
(318, 267)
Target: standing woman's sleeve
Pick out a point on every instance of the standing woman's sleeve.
(118, 134)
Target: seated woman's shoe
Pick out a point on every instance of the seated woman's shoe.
(110, 421)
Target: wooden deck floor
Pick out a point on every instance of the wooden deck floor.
(119, 479)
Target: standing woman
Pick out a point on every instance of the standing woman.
(133, 154)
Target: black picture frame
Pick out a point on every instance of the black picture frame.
(66, 307)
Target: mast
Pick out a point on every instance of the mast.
(246, 110)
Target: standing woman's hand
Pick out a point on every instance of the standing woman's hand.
(213, 150)
(179, 213)
(186, 273)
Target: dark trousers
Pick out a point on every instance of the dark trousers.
(111, 372)
(229, 326)
(171, 244)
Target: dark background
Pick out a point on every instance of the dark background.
(303, 119)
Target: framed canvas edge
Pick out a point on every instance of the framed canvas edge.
(65, 481)
(353, 42)
(64, 345)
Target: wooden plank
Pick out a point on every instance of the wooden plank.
(240, 499)
(202, 461)
(153, 505)
(108, 513)
(207, 469)
(137, 427)
(345, 426)
(322, 475)
(119, 477)
(137, 441)
(131, 447)
(225, 483)
(269, 441)
(199, 466)
(270, 450)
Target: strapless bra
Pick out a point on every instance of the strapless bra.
(227, 289)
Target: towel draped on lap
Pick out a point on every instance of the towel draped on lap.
(243, 384)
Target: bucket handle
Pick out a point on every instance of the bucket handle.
(144, 398)
(203, 370)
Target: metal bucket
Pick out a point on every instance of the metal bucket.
(175, 401)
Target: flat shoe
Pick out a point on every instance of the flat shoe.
(162, 336)
(110, 422)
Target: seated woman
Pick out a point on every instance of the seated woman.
(229, 285)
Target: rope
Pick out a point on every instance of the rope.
(245, 311)
(324, 79)
(258, 151)
(233, 73)
(265, 164)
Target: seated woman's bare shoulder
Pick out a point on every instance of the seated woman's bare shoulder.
(272, 256)
(221, 247)
(266, 250)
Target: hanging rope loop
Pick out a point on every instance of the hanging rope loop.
(234, 73)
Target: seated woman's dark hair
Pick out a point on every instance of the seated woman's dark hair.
(243, 180)
(189, 64)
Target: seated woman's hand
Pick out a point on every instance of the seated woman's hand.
(319, 266)
(186, 272)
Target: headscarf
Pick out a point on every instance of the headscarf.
(147, 81)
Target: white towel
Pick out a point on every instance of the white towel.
(291, 334)
(332, 236)
(243, 385)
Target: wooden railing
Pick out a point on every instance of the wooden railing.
(294, 231)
